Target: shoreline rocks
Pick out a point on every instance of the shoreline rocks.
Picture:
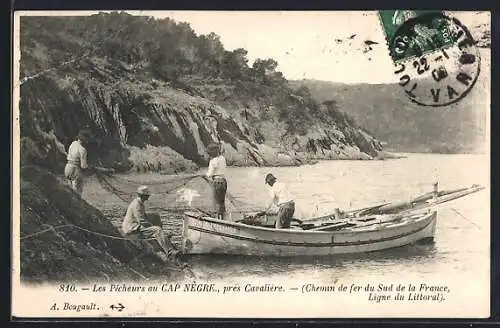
(58, 245)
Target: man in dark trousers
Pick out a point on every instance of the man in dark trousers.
(216, 176)
(283, 200)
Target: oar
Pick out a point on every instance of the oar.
(204, 212)
(359, 210)
(444, 199)
(102, 169)
(311, 226)
(252, 217)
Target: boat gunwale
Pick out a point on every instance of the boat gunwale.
(431, 221)
(423, 216)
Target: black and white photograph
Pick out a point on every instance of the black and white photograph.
(274, 164)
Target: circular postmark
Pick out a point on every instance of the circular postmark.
(437, 61)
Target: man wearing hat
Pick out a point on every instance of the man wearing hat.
(215, 174)
(77, 161)
(282, 199)
(136, 221)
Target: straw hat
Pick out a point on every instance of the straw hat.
(143, 191)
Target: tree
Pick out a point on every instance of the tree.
(303, 91)
(235, 64)
(263, 67)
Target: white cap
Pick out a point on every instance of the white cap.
(143, 190)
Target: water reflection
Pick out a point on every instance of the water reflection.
(221, 266)
(462, 234)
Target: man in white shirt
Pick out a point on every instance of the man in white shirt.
(77, 162)
(216, 175)
(283, 200)
(136, 221)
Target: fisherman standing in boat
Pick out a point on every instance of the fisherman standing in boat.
(136, 222)
(281, 198)
(215, 175)
(77, 162)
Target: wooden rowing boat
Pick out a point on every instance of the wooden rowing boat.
(374, 228)
(203, 234)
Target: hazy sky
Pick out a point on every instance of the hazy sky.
(303, 43)
(306, 44)
(313, 45)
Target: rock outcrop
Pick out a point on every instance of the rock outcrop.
(154, 96)
(129, 110)
(63, 238)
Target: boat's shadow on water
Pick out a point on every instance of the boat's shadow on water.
(223, 265)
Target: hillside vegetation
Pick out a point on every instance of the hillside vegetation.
(137, 81)
(386, 112)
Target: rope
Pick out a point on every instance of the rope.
(52, 228)
(463, 217)
(34, 76)
(149, 183)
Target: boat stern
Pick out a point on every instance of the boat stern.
(430, 231)
(187, 243)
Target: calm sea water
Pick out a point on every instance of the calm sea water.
(462, 238)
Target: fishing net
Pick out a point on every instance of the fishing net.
(175, 193)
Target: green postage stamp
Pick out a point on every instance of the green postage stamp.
(431, 34)
(436, 56)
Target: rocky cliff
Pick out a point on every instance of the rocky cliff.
(156, 106)
(63, 238)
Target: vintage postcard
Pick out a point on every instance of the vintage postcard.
(232, 164)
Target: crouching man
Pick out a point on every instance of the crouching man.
(136, 222)
(283, 200)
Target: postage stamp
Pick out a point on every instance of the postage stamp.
(205, 164)
(426, 39)
(436, 57)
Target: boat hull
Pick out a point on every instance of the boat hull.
(205, 235)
